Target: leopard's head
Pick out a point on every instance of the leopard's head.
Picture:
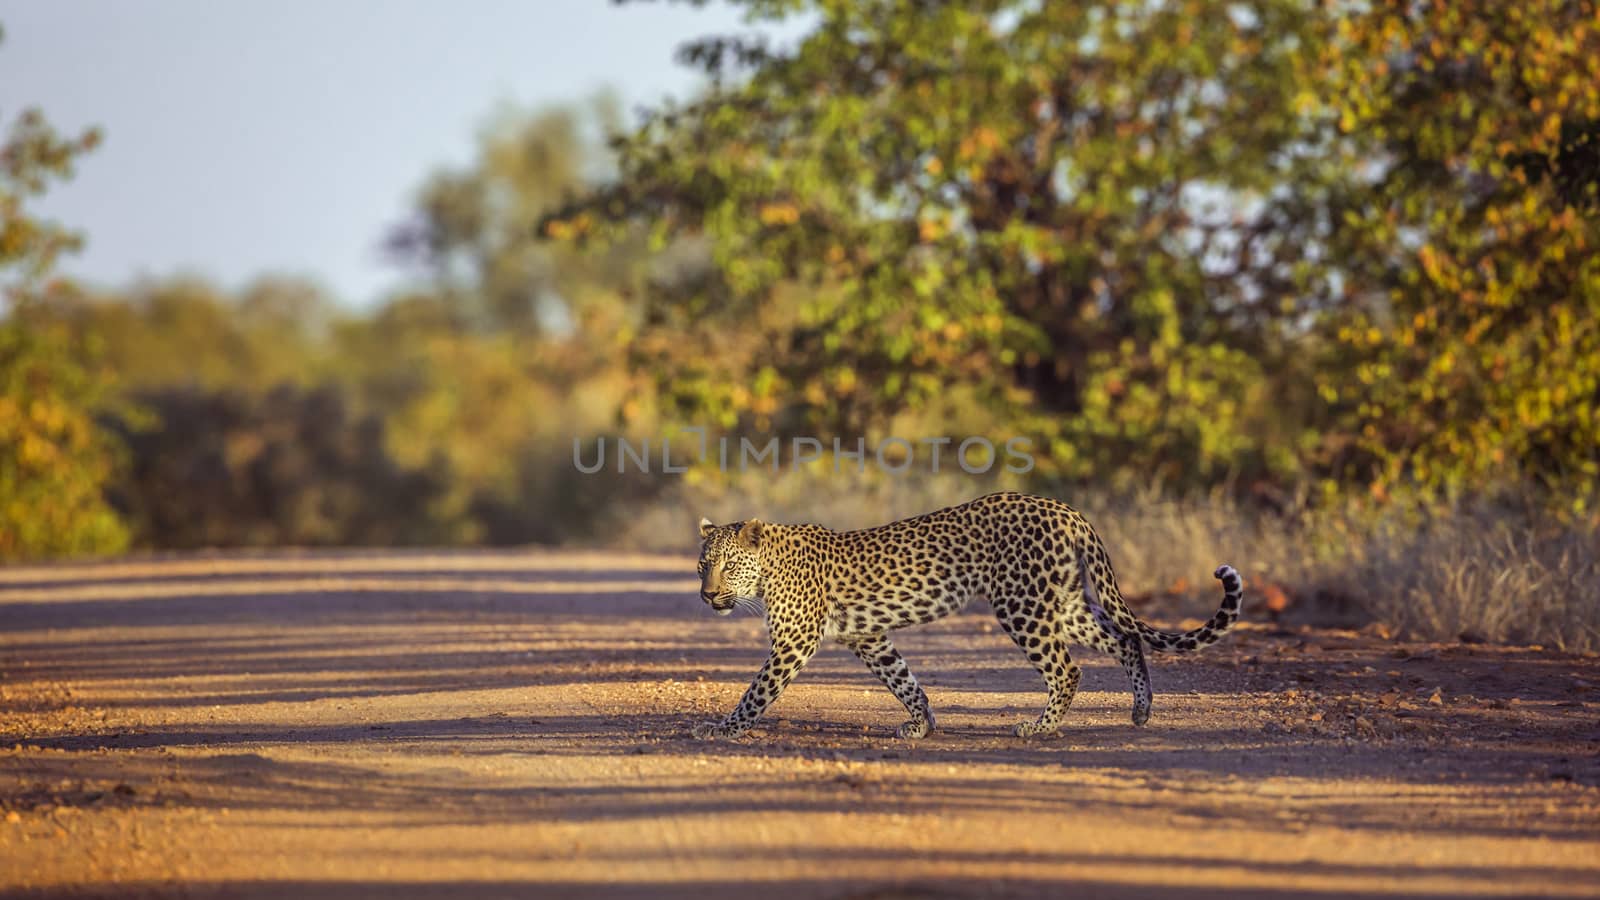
(730, 563)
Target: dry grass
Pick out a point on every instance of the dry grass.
(1473, 570)
(1487, 572)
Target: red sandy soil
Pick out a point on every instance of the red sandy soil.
(484, 725)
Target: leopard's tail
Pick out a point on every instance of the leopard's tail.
(1213, 630)
(1105, 601)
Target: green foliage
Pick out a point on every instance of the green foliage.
(32, 155)
(459, 396)
(1468, 347)
(1184, 242)
(1021, 197)
(54, 459)
(186, 332)
(492, 408)
(1197, 246)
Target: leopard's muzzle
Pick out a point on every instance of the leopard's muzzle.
(722, 604)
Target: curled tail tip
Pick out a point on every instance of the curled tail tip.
(1232, 591)
(1212, 631)
(1232, 584)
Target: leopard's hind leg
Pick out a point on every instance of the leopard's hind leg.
(1093, 628)
(1128, 651)
(1032, 624)
(1089, 621)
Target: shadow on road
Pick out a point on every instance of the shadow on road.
(113, 688)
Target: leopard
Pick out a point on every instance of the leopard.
(1038, 563)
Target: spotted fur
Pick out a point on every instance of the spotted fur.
(1037, 561)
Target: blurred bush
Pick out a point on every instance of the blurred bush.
(288, 467)
(54, 460)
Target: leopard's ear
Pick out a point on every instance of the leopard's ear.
(705, 528)
(750, 534)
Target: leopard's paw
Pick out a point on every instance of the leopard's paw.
(914, 729)
(1034, 728)
(706, 731)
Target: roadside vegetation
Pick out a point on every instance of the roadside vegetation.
(1312, 289)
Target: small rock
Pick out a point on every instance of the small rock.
(1436, 698)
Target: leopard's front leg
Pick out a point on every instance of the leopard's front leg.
(792, 647)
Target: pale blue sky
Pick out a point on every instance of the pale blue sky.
(248, 136)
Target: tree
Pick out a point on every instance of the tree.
(1470, 257)
(187, 332)
(507, 348)
(468, 234)
(1070, 211)
(55, 459)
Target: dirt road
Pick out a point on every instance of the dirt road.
(514, 725)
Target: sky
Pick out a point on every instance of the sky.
(246, 137)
